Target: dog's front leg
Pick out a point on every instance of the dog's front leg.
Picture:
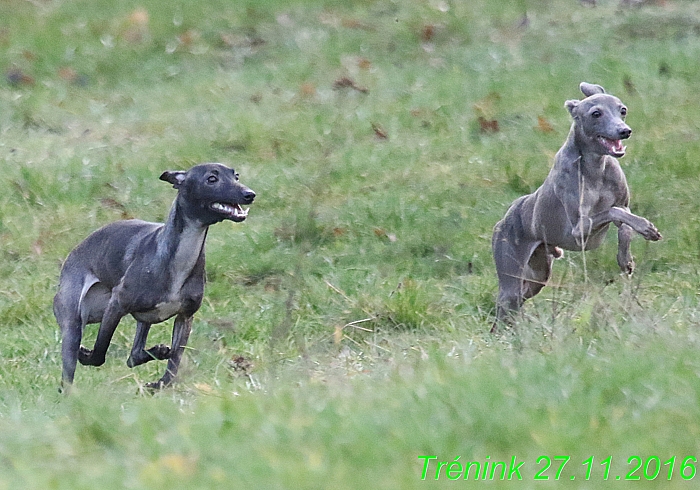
(139, 355)
(582, 229)
(586, 222)
(641, 225)
(181, 334)
(620, 216)
(624, 256)
(571, 191)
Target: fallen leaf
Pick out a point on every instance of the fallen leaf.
(137, 26)
(189, 37)
(488, 126)
(379, 131)
(240, 363)
(486, 107)
(544, 125)
(110, 203)
(307, 89)
(17, 77)
(364, 63)
(347, 82)
(381, 233)
(67, 74)
(351, 23)
(139, 17)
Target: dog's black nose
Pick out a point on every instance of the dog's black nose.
(625, 133)
(248, 195)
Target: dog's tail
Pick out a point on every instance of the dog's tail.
(67, 310)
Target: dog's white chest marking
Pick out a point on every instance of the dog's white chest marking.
(186, 255)
(161, 312)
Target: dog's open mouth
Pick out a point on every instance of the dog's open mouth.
(615, 147)
(233, 212)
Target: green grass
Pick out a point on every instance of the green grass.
(345, 328)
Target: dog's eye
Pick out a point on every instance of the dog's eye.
(596, 114)
(236, 176)
(212, 179)
(623, 111)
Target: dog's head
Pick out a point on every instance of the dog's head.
(211, 192)
(600, 119)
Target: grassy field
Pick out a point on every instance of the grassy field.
(344, 337)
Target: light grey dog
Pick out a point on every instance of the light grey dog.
(153, 271)
(584, 192)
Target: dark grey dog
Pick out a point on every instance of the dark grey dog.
(584, 192)
(152, 271)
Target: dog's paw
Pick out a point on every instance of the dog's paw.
(87, 357)
(156, 386)
(157, 352)
(628, 268)
(626, 262)
(160, 351)
(84, 355)
(651, 233)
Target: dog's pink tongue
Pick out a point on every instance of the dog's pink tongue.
(614, 146)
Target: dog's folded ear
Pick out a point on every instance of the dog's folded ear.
(571, 105)
(175, 177)
(589, 89)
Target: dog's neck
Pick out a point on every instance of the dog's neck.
(592, 163)
(180, 243)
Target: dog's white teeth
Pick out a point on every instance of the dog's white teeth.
(224, 208)
(614, 147)
(232, 210)
(240, 212)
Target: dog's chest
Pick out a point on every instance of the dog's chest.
(161, 312)
(167, 297)
(185, 258)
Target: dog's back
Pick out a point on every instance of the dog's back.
(122, 236)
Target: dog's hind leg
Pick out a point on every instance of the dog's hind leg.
(139, 355)
(539, 269)
(181, 334)
(110, 320)
(511, 254)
